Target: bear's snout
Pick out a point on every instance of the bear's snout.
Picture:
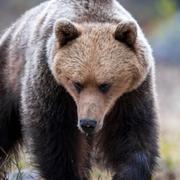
(88, 126)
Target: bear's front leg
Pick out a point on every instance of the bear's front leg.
(136, 167)
(130, 138)
(52, 140)
(49, 123)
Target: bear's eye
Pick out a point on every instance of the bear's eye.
(104, 88)
(78, 86)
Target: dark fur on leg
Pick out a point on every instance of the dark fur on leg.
(137, 167)
(130, 135)
(50, 120)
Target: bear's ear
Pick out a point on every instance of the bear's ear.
(126, 32)
(66, 31)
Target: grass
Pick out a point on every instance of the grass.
(169, 162)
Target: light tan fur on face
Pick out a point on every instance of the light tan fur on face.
(92, 59)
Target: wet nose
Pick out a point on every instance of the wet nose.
(88, 126)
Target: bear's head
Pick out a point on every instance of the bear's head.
(97, 63)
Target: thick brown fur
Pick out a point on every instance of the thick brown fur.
(43, 55)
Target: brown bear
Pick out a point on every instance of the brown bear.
(76, 82)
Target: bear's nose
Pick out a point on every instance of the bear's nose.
(88, 126)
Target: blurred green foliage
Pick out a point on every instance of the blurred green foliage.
(166, 8)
